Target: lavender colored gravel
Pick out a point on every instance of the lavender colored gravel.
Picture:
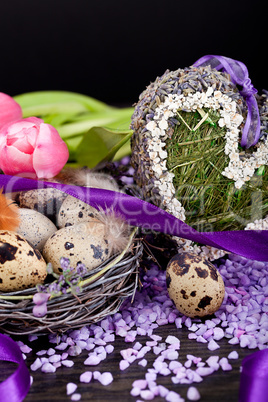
(70, 388)
(76, 397)
(86, 377)
(48, 368)
(242, 320)
(193, 394)
(105, 378)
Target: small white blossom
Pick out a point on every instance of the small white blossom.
(217, 95)
(163, 154)
(157, 169)
(151, 125)
(163, 124)
(153, 155)
(210, 91)
(239, 183)
(234, 156)
(221, 122)
(167, 114)
(237, 119)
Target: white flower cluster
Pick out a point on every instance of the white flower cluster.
(238, 169)
(164, 181)
(259, 224)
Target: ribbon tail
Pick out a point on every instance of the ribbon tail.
(254, 377)
(251, 131)
(249, 244)
(16, 386)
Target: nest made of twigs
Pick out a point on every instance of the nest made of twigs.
(103, 291)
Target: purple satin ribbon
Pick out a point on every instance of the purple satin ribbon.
(16, 386)
(247, 243)
(254, 378)
(239, 76)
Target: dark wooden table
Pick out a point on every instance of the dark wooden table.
(220, 386)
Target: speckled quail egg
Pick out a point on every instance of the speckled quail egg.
(83, 243)
(47, 201)
(35, 227)
(194, 285)
(21, 266)
(74, 211)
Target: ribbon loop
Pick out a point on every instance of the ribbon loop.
(248, 89)
(239, 76)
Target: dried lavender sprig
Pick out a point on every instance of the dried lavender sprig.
(69, 279)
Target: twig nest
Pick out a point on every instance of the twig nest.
(74, 211)
(186, 154)
(194, 284)
(21, 266)
(35, 227)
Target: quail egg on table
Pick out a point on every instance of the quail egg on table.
(73, 211)
(35, 227)
(194, 284)
(21, 266)
(82, 243)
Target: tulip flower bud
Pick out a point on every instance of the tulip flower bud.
(9, 110)
(31, 148)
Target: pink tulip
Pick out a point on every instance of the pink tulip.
(31, 148)
(9, 110)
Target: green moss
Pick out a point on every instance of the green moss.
(197, 158)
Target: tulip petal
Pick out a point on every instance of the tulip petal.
(16, 127)
(2, 140)
(25, 140)
(22, 144)
(51, 152)
(35, 120)
(9, 110)
(14, 162)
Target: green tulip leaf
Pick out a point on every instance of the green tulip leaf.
(100, 144)
(123, 151)
(42, 103)
(72, 144)
(112, 118)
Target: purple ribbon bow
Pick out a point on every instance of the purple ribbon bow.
(239, 76)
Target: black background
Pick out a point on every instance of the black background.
(112, 49)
